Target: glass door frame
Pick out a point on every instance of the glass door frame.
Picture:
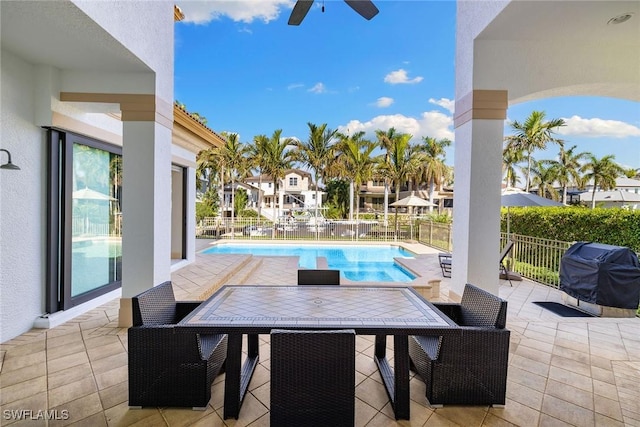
(59, 220)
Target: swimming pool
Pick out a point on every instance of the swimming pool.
(356, 263)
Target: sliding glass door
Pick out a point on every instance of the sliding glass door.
(85, 219)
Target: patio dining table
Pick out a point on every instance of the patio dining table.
(369, 310)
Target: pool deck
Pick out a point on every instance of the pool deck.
(562, 371)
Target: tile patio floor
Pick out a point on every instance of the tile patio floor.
(562, 371)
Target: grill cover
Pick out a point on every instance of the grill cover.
(601, 274)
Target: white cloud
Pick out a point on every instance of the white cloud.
(293, 86)
(400, 77)
(596, 128)
(447, 104)
(384, 101)
(431, 123)
(202, 12)
(318, 88)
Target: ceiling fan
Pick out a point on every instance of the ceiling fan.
(365, 8)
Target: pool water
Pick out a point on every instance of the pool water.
(356, 263)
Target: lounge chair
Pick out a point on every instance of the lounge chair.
(318, 277)
(445, 262)
(168, 368)
(313, 378)
(468, 368)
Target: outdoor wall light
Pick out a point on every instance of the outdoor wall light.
(8, 165)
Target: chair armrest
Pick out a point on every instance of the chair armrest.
(183, 308)
(209, 343)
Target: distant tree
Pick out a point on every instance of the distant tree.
(567, 168)
(316, 153)
(543, 179)
(632, 173)
(279, 160)
(240, 201)
(603, 172)
(233, 156)
(511, 158)
(386, 140)
(357, 155)
(337, 198)
(533, 134)
(259, 159)
(403, 164)
(432, 168)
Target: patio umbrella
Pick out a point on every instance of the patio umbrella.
(89, 195)
(410, 201)
(516, 197)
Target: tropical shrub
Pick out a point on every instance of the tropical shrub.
(619, 227)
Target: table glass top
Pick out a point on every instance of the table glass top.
(319, 306)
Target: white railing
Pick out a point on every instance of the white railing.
(293, 229)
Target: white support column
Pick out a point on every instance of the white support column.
(478, 168)
(146, 206)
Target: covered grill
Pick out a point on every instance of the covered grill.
(601, 274)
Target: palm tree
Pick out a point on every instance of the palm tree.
(357, 156)
(533, 134)
(316, 153)
(403, 163)
(543, 179)
(259, 159)
(511, 157)
(603, 172)
(432, 169)
(278, 162)
(567, 168)
(233, 155)
(386, 141)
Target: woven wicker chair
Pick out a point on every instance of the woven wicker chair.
(312, 378)
(168, 368)
(468, 368)
(318, 277)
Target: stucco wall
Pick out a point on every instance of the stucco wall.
(142, 26)
(22, 202)
(471, 18)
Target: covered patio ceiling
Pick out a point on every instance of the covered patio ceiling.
(542, 49)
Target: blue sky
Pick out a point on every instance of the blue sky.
(241, 66)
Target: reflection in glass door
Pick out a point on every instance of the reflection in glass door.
(97, 219)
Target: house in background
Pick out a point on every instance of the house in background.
(616, 197)
(88, 114)
(295, 191)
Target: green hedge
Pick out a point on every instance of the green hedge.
(619, 227)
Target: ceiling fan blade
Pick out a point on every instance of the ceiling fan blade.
(365, 8)
(299, 11)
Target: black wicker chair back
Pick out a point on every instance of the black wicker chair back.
(312, 378)
(168, 368)
(482, 308)
(155, 306)
(318, 277)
